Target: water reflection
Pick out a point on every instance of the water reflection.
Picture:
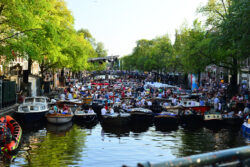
(166, 128)
(28, 127)
(207, 140)
(53, 149)
(86, 125)
(82, 145)
(140, 127)
(115, 132)
(6, 159)
(59, 129)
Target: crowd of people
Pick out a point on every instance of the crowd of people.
(134, 92)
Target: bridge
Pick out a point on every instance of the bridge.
(104, 59)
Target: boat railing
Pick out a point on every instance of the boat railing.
(231, 157)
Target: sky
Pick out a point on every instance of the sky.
(118, 24)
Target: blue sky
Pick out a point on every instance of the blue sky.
(118, 24)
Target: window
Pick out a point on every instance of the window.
(25, 109)
(29, 100)
(34, 108)
(221, 75)
(40, 100)
(42, 107)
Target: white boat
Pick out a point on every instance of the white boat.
(213, 119)
(59, 118)
(71, 102)
(190, 103)
(33, 108)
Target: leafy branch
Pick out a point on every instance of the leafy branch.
(21, 32)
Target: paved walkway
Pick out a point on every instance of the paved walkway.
(8, 110)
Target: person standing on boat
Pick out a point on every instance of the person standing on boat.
(216, 102)
(219, 106)
(202, 102)
(174, 101)
(103, 110)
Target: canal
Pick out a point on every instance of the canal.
(45, 144)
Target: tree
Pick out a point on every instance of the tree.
(150, 55)
(230, 34)
(192, 45)
(99, 51)
(16, 19)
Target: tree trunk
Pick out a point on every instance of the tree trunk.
(61, 78)
(26, 73)
(186, 81)
(233, 84)
(62, 72)
(199, 78)
(29, 65)
(42, 70)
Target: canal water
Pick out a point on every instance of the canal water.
(45, 144)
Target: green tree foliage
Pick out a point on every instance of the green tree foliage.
(215, 12)
(150, 55)
(230, 34)
(43, 31)
(191, 45)
(17, 18)
(99, 51)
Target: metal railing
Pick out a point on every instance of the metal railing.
(235, 157)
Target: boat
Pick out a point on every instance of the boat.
(59, 116)
(213, 119)
(116, 119)
(141, 115)
(33, 108)
(83, 116)
(87, 100)
(191, 118)
(232, 120)
(9, 125)
(195, 106)
(97, 105)
(166, 119)
(71, 102)
(174, 109)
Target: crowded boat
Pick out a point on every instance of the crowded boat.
(133, 100)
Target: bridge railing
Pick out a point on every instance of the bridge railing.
(235, 157)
